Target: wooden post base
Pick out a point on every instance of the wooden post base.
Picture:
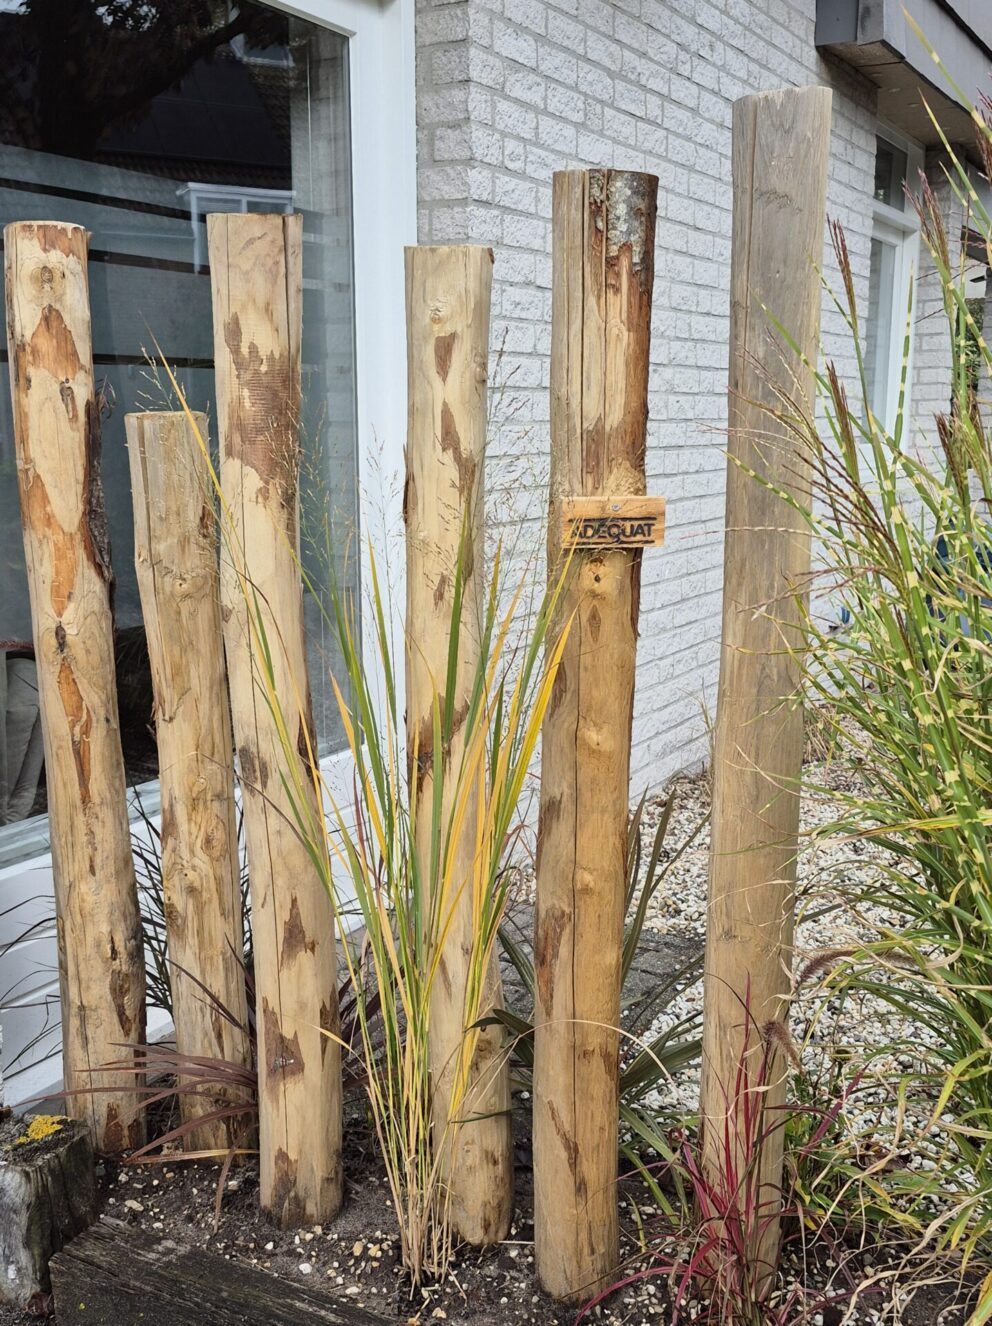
(47, 1197)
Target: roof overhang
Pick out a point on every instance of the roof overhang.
(876, 37)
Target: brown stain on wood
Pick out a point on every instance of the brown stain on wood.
(254, 768)
(59, 237)
(114, 1137)
(284, 1203)
(266, 437)
(306, 738)
(452, 444)
(559, 689)
(283, 1056)
(329, 1026)
(549, 937)
(80, 727)
(294, 936)
(53, 347)
(444, 347)
(424, 743)
(120, 990)
(566, 1138)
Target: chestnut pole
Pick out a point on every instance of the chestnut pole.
(57, 441)
(780, 152)
(256, 274)
(603, 269)
(448, 292)
(175, 558)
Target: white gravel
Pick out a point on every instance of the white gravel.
(831, 871)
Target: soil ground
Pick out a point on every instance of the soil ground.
(356, 1256)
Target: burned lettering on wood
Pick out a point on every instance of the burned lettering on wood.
(613, 522)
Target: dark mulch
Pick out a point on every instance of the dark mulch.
(356, 1257)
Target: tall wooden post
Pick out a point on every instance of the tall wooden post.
(175, 555)
(603, 269)
(447, 309)
(257, 283)
(57, 436)
(780, 151)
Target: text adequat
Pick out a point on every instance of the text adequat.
(613, 522)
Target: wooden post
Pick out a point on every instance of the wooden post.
(57, 437)
(780, 151)
(257, 283)
(175, 556)
(603, 269)
(447, 309)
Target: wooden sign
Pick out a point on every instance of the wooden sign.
(613, 522)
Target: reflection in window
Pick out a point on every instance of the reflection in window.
(136, 118)
(891, 174)
(881, 328)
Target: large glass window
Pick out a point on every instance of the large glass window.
(136, 118)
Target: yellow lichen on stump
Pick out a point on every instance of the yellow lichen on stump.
(40, 1127)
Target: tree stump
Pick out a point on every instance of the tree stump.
(47, 1197)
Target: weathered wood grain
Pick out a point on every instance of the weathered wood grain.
(780, 151)
(603, 268)
(175, 557)
(447, 306)
(114, 1276)
(57, 440)
(257, 283)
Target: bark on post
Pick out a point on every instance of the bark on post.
(780, 149)
(57, 439)
(603, 267)
(447, 306)
(257, 283)
(175, 555)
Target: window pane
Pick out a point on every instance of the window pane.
(880, 330)
(136, 120)
(891, 171)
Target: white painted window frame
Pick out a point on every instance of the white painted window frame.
(383, 127)
(902, 230)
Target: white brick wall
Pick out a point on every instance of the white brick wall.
(510, 91)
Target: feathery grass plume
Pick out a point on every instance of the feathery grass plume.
(364, 849)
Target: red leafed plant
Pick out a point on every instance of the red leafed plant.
(713, 1274)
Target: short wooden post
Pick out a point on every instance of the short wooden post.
(47, 1196)
(175, 555)
(603, 268)
(57, 437)
(447, 310)
(780, 151)
(257, 282)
